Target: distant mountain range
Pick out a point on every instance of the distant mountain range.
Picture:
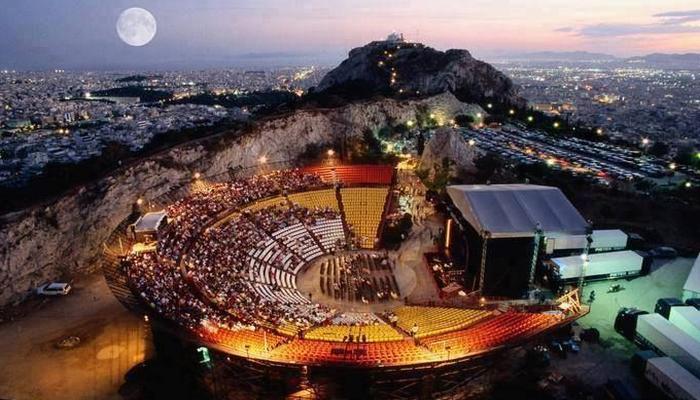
(674, 61)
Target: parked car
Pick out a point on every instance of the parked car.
(54, 289)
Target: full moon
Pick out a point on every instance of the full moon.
(136, 26)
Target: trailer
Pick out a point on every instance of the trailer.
(672, 379)
(658, 334)
(613, 265)
(691, 288)
(686, 319)
(602, 240)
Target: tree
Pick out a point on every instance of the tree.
(464, 120)
(420, 144)
(659, 149)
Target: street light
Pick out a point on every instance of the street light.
(530, 118)
(263, 159)
(511, 112)
(139, 202)
(645, 141)
(556, 125)
(472, 142)
(672, 166)
(599, 131)
(330, 152)
(489, 106)
(409, 123)
(688, 185)
(197, 175)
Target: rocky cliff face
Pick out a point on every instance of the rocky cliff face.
(66, 237)
(392, 68)
(448, 143)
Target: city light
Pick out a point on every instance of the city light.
(511, 112)
(263, 159)
(330, 152)
(489, 106)
(645, 141)
(197, 175)
(599, 131)
(478, 115)
(530, 118)
(409, 123)
(551, 162)
(556, 125)
(472, 142)
(688, 185)
(672, 166)
(139, 201)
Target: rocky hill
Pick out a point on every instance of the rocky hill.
(448, 143)
(66, 236)
(408, 69)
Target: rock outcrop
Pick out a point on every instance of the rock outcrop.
(396, 68)
(448, 143)
(66, 237)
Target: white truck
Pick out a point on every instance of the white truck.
(662, 336)
(672, 379)
(686, 319)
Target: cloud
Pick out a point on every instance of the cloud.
(668, 23)
(565, 29)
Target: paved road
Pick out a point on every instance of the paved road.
(112, 341)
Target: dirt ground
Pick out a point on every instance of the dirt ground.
(112, 341)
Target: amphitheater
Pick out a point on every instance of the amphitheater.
(287, 268)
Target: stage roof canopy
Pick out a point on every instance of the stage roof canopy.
(515, 210)
(149, 222)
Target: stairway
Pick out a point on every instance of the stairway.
(346, 228)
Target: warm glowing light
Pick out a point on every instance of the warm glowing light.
(197, 175)
(409, 123)
(448, 233)
(672, 166)
(530, 118)
(472, 142)
(599, 131)
(511, 112)
(688, 185)
(330, 152)
(263, 159)
(432, 116)
(489, 105)
(551, 161)
(478, 115)
(645, 141)
(139, 201)
(556, 125)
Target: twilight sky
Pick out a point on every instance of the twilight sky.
(47, 34)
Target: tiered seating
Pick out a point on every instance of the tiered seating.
(265, 203)
(399, 352)
(436, 320)
(380, 332)
(364, 208)
(280, 295)
(355, 174)
(259, 342)
(494, 332)
(329, 232)
(297, 239)
(318, 198)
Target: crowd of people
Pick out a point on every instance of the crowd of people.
(364, 277)
(215, 282)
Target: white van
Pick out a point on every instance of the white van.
(54, 289)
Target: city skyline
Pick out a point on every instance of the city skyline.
(75, 34)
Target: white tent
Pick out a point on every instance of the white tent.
(149, 222)
(515, 210)
(691, 289)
